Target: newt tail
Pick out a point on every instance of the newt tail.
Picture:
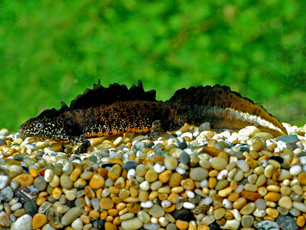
(115, 110)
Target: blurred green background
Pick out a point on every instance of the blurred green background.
(52, 50)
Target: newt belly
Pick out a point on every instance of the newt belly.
(115, 110)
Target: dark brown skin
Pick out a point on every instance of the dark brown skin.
(115, 110)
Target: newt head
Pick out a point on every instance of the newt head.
(45, 125)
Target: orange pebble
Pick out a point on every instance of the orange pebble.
(180, 224)
(300, 221)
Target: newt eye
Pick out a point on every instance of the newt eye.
(39, 125)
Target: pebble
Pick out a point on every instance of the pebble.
(6, 194)
(134, 223)
(218, 163)
(198, 174)
(39, 220)
(198, 180)
(286, 222)
(184, 157)
(183, 214)
(3, 181)
(71, 215)
(267, 225)
(170, 163)
(23, 222)
(5, 219)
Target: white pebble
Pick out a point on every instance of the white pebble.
(259, 212)
(165, 203)
(295, 170)
(303, 160)
(178, 133)
(190, 194)
(3, 181)
(222, 174)
(231, 224)
(145, 185)
(208, 200)
(227, 204)
(294, 182)
(243, 165)
(209, 219)
(77, 224)
(187, 134)
(281, 145)
(105, 192)
(188, 205)
(163, 221)
(239, 188)
(16, 206)
(236, 214)
(159, 168)
(299, 206)
(297, 151)
(131, 174)
(204, 183)
(180, 170)
(154, 220)
(48, 175)
(147, 204)
(300, 145)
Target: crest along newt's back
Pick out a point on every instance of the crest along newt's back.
(114, 110)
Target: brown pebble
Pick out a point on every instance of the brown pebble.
(175, 179)
(141, 170)
(110, 226)
(272, 196)
(253, 196)
(302, 178)
(115, 172)
(106, 203)
(300, 221)
(96, 181)
(180, 224)
(113, 212)
(211, 151)
(133, 207)
(151, 175)
(103, 172)
(165, 176)
(75, 174)
(239, 203)
(39, 220)
(24, 179)
(187, 184)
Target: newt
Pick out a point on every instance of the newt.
(115, 110)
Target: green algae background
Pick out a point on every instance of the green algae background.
(50, 51)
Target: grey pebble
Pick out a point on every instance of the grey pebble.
(40, 183)
(288, 138)
(266, 225)
(204, 127)
(286, 223)
(171, 226)
(130, 165)
(184, 158)
(139, 145)
(6, 194)
(2, 142)
(30, 207)
(151, 226)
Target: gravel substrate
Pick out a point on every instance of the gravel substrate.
(194, 179)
